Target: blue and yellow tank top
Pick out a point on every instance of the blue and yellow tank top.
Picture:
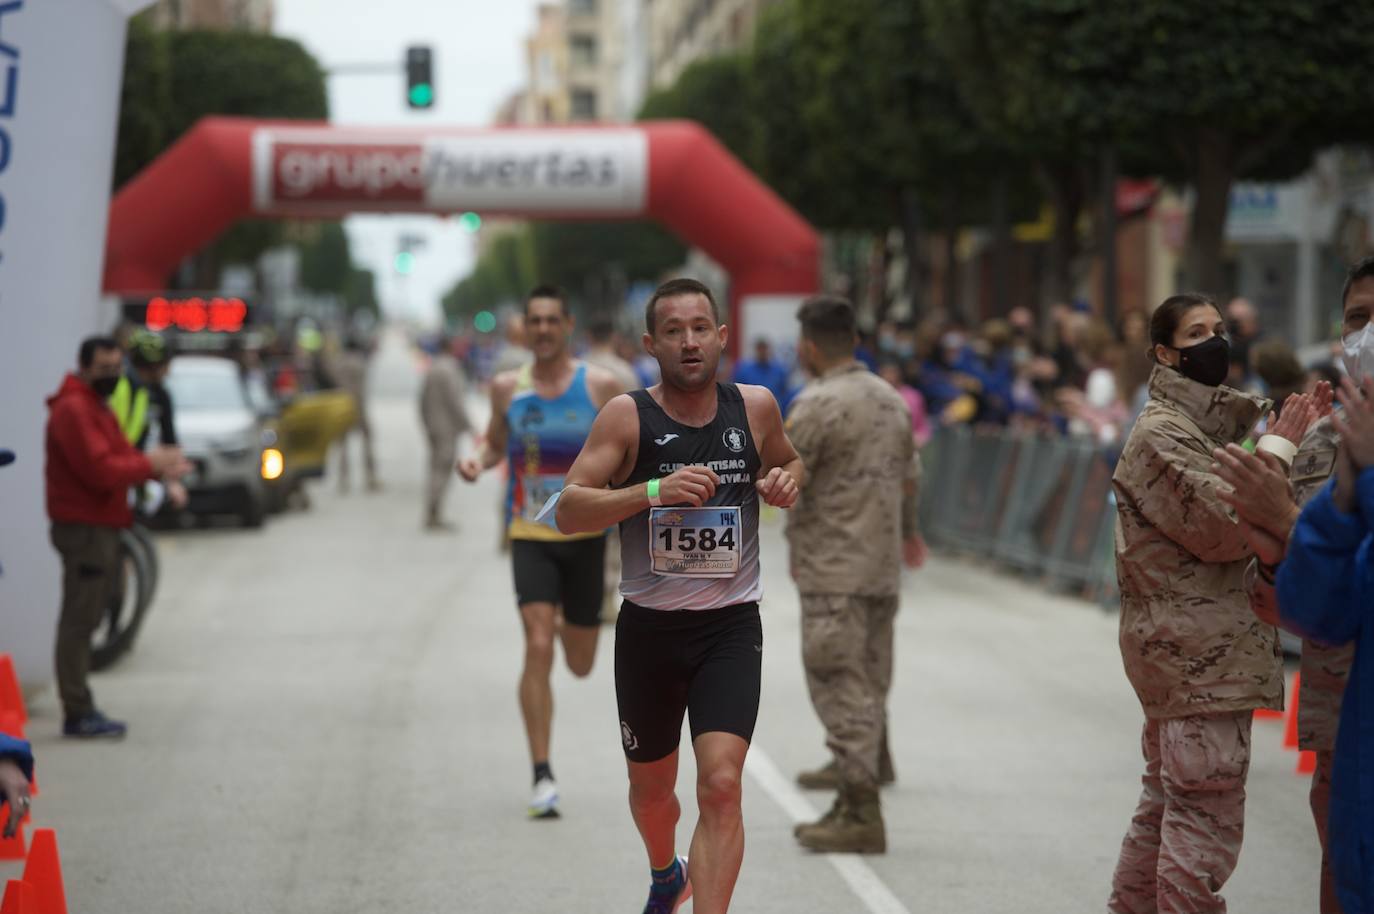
(545, 438)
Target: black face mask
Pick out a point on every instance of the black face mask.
(104, 386)
(1207, 362)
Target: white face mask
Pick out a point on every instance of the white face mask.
(1359, 352)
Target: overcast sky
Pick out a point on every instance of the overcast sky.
(478, 62)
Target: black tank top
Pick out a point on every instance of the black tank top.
(665, 445)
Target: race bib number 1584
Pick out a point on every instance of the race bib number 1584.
(695, 542)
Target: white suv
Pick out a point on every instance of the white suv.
(222, 435)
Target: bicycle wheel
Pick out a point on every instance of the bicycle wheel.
(128, 602)
(144, 538)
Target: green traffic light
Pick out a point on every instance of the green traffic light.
(405, 263)
(422, 95)
(484, 322)
(471, 222)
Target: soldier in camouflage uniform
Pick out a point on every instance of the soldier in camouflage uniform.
(1324, 669)
(1199, 660)
(847, 535)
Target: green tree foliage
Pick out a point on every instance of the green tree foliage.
(586, 259)
(503, 275)
(327, 266)
(860, 124)
(1044, 77)
(360, 291)
(145, 99)
(1205, 93)
(589, 261)
(173, 79)
(242, 73)
(1244, 89)
(710, 92)
(326, 262)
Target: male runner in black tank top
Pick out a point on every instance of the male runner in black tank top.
(688, 637)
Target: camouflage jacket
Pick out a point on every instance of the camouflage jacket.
(1324, 669)
(1189, 640)
(853, 432)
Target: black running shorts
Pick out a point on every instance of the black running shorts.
(707, 662)
(566, 573)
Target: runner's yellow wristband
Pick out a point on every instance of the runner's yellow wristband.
(652, 491)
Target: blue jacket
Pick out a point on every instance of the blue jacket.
(1326, 593)
(17, 751)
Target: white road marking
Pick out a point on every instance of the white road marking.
(856, 873)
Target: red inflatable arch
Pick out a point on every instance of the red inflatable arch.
(675, 172)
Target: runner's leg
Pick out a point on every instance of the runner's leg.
(654, 806)
(718, 842)
(581, 564)
(536, 692)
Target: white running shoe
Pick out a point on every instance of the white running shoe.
(544, 802)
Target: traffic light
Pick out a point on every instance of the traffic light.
(419, 77)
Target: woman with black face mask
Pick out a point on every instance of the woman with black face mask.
(1199, 660)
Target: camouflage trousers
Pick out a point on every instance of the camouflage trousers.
(1321, 804)
(1185, 836)
(443, 452)
(847, 654)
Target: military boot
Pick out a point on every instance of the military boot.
(835, 812)
(855, 828)
(826, 777)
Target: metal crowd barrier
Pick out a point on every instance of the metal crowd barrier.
(1038, 504)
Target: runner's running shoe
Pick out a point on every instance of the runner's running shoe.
(544, 803)
(668, 894)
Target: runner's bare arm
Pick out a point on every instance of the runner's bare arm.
(494, 445)
(603, 386)
(587, 503)
(782, 473)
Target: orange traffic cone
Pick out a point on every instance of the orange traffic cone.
(1307, 761)
(44, 872)
(11, 699)
(11, 724)
(1290, 732)
(19, 899)
(12, 848)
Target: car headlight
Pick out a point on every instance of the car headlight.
(273, 464)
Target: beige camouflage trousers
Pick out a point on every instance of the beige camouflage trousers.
(1185, 836)
(1321, 804)
(847, 653)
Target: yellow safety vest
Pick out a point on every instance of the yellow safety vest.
(130, 408)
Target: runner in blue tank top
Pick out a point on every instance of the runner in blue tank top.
(540, 416)
(681, 468)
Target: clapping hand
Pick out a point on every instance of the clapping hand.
(1299, 413)
(1259, 489)
(1355, 424)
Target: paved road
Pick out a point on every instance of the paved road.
(324, 720)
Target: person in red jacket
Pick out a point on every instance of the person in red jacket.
(90, 467)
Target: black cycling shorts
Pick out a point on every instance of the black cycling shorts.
(566, 573)
(707, 662)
